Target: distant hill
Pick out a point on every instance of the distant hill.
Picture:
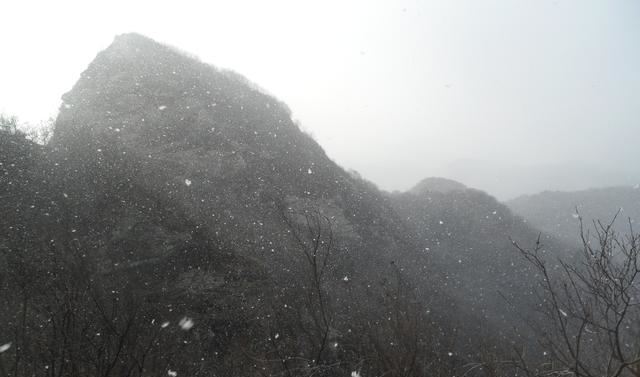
(466, 238)
(554, 212)
(437, 184)
(506, 180)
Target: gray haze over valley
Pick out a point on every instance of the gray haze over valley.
(335, 189)
(509, 97)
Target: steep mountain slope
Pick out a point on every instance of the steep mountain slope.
(228, 153)
(466, 236)
(93, 270)
(224, 152)
(554, 212)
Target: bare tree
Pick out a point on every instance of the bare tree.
(401, 338)
(72, 321)
(588, 310)
(9, 124)
(313, 233)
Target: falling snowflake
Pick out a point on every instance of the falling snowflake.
(355, 374)
(172, 373)
(162, 107)
(164, 324)
(186, 323)
(5, 347)
(346, 278)
(309, 171)
(187, 182)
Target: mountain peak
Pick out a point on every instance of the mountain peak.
(133, 37)
(437, 184)
(139, 91)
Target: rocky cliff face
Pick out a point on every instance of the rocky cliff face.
(207, 139)
(225, 155)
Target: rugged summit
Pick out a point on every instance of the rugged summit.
(223, 149)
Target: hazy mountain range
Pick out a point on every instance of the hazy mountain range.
(559, 213)
(508, 180)
(179, 206)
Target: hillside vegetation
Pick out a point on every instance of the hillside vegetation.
(180, 223)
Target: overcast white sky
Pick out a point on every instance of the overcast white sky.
(397, 90)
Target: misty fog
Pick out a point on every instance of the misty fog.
(288, 188)
(422, 88)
